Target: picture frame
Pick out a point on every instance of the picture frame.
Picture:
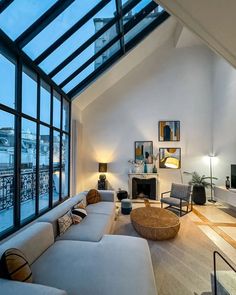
(170, 158)
(143, 151)
(169, 131)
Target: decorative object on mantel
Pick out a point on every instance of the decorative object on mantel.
(155, 158)
(227, 182)
(137, 166)
(169, 130)
(170, 158)
(143, 151)
(102, 168)
(199, 184)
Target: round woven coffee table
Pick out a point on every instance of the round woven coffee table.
(155, 223)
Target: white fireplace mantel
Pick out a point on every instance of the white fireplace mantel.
(143, 176)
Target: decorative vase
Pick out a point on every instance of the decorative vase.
(199, 195)
(145, 168)
(227, 182)
(154, 170)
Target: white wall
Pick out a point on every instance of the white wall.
(172, 83)
(224, 106)
(76, 184)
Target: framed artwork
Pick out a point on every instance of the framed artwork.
(143, 151)
(170, 158)
(169, 130)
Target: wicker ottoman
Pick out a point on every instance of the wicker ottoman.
(155, 223)
(126, 206)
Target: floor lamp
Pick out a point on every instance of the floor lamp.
(211, 177)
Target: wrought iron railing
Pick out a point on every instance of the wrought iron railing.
(28, 186)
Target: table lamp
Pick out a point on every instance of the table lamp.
(102, 168)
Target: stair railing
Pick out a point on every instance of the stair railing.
(215, 254)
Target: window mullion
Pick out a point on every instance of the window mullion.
(17, 152)
(37, 148)
(120, 26)
(51, 155)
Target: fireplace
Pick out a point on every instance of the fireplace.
(144, 188)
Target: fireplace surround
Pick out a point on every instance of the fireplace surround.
(144, 185)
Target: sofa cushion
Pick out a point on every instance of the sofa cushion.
(173, 201)
(64, 222)
(16, 266)
(32, 241)
(116, 264)
(102, 208)
(78, 214)
(93, 196)
(91, 228)
(19, 288)
(60, 210)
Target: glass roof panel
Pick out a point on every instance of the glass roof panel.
(93, 66)
(58, 27)
(141, 25)
(21, 14)
(79, 37)
(86, 54)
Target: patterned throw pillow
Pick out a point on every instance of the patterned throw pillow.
(80, 205)
(78, 213)
(15, 266)
(93, 197)
(64, 222)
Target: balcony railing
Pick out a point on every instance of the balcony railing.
(28, 186)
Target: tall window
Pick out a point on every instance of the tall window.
(34, 145)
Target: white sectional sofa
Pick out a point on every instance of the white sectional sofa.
(86, 260)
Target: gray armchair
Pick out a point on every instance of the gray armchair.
(180, 196)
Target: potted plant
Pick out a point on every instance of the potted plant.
(199, 184)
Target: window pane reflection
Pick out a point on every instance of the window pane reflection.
(44, 160)
(28, 168)
(7, 78)
(7, 150)
(56, 166)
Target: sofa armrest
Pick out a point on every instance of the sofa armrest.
(107, 196)
(9, 287)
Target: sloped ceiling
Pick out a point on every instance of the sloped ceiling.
(214, 21)
(151, 43)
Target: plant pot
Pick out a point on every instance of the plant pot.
(199, 195)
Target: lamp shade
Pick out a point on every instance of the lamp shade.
(172, 163)
(102, 167)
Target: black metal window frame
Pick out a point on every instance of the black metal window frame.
(59, 7)
(20, 63)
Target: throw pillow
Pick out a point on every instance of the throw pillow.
(80, 205)
(78, 213)
(64, 223)
(93, 197)
(15, 266)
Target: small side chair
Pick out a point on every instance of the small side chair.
(179, 197)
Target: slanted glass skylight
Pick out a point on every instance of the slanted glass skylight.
(74, 41)
(20, 14)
